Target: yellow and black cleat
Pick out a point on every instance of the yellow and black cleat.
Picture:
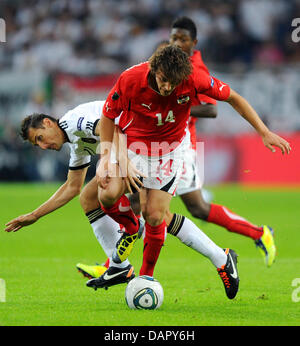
(91, 272)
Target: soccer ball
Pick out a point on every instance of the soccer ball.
(144, 292)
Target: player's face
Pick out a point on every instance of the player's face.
(182, 39)
(49, 137)
(165, 88)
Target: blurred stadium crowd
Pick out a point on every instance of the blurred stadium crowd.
(244, 42)
(89, 36)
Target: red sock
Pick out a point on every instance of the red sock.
(153, 242)
(122, 213)
(224, 217)
(106, 264)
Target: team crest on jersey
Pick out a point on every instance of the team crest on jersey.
(115, 96)
(183, 99)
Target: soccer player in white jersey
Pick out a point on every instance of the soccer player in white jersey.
(79, 129)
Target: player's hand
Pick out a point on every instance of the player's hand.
(272, 140)
(133, 177)
(102, 173)
(19, 222)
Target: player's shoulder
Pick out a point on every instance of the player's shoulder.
(93, 107)
(143, 66)
(84, 113)
(196, 57)
(135, 74)
(197, 61)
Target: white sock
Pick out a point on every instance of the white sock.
(189, 234)
(106, 232)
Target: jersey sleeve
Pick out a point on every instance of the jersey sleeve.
(114, 104)
(78, 161)
(203, 99)
(212, 87)
(87, 122)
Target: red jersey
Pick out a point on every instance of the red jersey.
(148, 117)
(198, 65)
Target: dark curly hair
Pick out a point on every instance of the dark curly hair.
(34, 121)
(187, 24)
(173, 62)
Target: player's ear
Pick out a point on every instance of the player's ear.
(47, 122)
(195, 42)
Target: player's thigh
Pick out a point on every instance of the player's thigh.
(157, 204)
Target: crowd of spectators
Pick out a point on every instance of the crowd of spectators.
(85, 36)
(89, 37)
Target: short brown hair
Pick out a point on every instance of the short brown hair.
(33, 121)
(173, 62)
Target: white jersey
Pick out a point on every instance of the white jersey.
(79, 126)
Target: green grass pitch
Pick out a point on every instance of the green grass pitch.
(43, 287)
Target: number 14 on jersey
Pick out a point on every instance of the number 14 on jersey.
(170, 118)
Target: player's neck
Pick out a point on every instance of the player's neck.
(63, 133)
(152, 82)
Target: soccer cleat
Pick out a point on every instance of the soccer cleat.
(229, 274)
(112, 276)
(125, 244)
(91, 272)
(266, 245)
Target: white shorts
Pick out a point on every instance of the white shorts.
(162, 172)
(189, 180)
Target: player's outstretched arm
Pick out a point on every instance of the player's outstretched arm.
(62, 196)
(19, 222)
(269, 138)
(204, 111)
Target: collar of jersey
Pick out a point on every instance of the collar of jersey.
(65, 133)
(144, 82)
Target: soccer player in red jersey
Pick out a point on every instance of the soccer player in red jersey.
(153, 101)
(184, 35)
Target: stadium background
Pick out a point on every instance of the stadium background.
(59, 53)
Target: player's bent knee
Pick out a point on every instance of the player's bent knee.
(154, 217)
(111, 194)
(107, 199)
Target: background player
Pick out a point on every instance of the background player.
(184, 35)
